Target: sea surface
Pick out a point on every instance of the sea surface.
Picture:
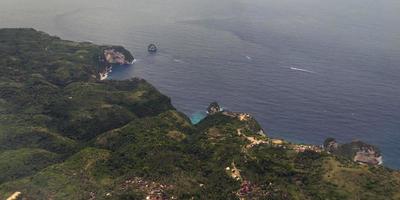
(306, 69)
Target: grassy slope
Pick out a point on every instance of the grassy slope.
(18, 163)
(51, 104)
(65, 135)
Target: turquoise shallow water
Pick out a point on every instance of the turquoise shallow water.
(196, 117)
(305, 69)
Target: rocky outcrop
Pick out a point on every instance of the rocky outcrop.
(152, 48)
(113, 55)
(213, 108)
(368, 156)
(330, 144)
(358, 151)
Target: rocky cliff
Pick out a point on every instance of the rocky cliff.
(357, 150)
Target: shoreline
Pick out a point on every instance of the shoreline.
(104, 75)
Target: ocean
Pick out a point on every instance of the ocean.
(305, 69)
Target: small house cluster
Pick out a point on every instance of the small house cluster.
(244, 116)
(241, 116)
(245, 189)
(253, 140)
(154, 191)
(234, 172)
(302, 148)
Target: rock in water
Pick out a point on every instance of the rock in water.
(213, 108)
(331, 145)
(152, 48)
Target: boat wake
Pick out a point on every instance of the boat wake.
(302, 70)
(178, 61)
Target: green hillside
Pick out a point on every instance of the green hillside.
(64, 134)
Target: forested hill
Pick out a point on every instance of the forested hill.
(64, 134)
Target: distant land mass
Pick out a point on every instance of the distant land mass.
(67, 132)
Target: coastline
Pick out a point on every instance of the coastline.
(112, 56)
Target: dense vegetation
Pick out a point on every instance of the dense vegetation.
(66, 135)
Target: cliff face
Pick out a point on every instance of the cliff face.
(357, 151)
(66, 135)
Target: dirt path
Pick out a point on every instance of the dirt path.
(14, 196)
(253, 141)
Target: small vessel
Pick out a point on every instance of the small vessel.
(152, 48)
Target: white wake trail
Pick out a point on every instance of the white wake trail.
(302, 70)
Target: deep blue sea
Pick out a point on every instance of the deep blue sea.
(306, 69)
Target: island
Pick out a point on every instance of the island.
(152, 48)
(67, 133)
